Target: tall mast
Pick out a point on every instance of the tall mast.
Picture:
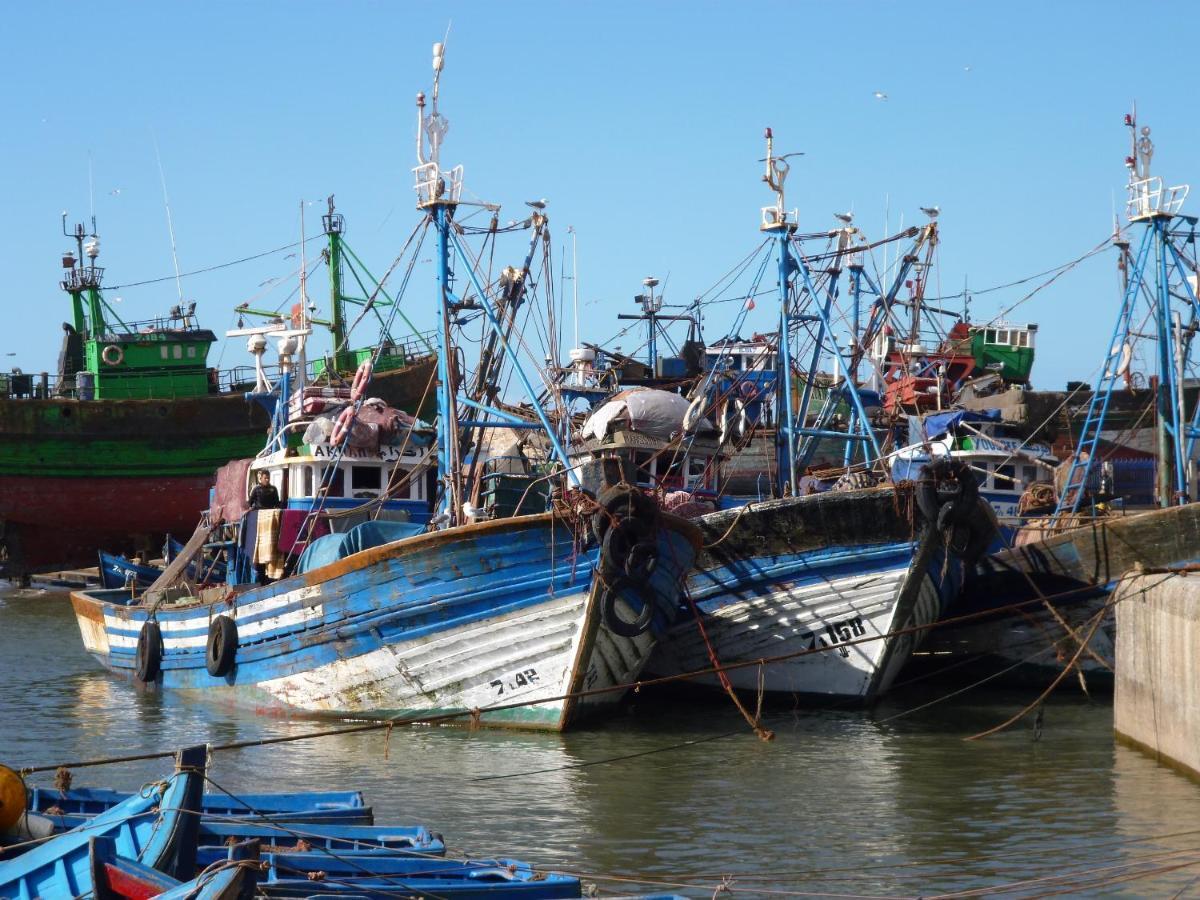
(440, 199)
(775, 223)
(335, 226)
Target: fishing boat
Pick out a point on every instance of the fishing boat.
(508, 619)
(157, 827)
(383, 875)
(120, 446)
(67, 808)
(113, 877)
(1063, 565)
(823, 595)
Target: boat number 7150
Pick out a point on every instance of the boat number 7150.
(834, 634)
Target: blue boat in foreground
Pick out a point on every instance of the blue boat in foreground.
(386, 876)
(116, 878)
(71, 807)
(156, 827)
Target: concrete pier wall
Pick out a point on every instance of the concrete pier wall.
(1157, 702)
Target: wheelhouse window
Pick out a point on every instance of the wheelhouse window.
(366, 480)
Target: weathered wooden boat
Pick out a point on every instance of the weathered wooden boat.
(116, 878)
(137, 401)
(319, 838)
(347, 808)
(825, 580)
(1064, 565)
(840, 583)
(383, 876)
(116, 571)
(156, 827)
(507, 619)
(494, 613)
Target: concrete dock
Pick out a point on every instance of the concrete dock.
(1156, 707)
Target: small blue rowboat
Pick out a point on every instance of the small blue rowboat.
(120, 572)
(318, 838)
(117, 878)
(385, 876)
(156, 827)
(69, 808)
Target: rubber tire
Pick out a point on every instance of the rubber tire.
(641, 561)
(619, 541)
(221, 652)
(149, 652)
(608, 608)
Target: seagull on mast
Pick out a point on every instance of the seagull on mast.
(931, 211)
(845, 218)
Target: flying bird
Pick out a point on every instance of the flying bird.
(931, 211)
(880, 95)
(114, 192)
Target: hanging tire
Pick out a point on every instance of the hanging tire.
(641, 561)
(608, 608)
(221, 652)
(149, 652)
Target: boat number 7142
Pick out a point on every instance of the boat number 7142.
(510, 683)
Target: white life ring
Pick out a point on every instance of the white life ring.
(341, 427)
(694, 415)
(112, 355)
(362, 378)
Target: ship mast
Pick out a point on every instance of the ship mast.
(439, 196)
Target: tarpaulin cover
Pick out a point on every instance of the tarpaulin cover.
(333, 547)
(936, 424)
(658, 414)
(229, 496)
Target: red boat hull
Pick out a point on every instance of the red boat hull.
(62, 522)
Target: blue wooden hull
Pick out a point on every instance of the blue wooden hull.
(292, 875)
(335, 807)
(154, 827)
(501, 612)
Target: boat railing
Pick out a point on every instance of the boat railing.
(1148, 197)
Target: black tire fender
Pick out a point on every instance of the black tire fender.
(641, 561)
(619, 541)
(221, 652)
(149, 652)
(608, 608)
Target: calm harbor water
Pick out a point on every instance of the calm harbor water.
(675, 793)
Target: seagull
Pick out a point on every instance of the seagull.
(966, 68)
(931, 211)
(880, 95)
(536, 204)
(114, 192)
(845, 218)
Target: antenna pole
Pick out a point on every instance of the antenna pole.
(170, 224)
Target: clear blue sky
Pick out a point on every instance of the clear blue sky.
(640, 122)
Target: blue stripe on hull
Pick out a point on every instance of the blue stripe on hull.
(390, 599)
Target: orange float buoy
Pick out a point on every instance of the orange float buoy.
(13, 800)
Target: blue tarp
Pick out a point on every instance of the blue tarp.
(924, 428)
(332, 547)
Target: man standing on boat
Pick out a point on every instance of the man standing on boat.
(264, 495)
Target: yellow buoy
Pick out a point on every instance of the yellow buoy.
(12, 798)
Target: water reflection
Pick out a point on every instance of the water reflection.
(674, 788)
